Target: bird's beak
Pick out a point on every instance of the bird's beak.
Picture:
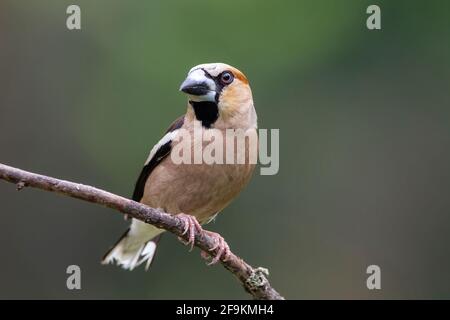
(198, 86)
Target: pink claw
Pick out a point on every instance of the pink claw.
(223, 250)
(191, 226)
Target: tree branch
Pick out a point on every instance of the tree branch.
(254, 280)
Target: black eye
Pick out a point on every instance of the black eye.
(226, 77)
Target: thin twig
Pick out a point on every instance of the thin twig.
(254, 280)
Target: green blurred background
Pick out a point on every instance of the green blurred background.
(364, 119)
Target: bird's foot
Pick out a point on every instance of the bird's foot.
(223, 250)
(191, 226)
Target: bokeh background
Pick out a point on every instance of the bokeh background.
(364, 119)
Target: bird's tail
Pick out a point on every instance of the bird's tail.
(137, 245)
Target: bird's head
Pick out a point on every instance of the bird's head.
(219, 92)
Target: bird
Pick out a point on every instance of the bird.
(219, 98)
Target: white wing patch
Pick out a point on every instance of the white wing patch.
(168, 137)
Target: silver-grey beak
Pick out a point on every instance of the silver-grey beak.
(195, 87)
(199, 86)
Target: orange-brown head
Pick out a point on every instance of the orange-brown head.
(220, 96)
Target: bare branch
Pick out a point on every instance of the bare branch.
(254, 280)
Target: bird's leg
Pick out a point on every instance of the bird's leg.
(191, 226)
(220, 245)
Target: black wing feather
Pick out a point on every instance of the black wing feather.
(159, 155)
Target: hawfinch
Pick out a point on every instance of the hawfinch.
(219, 98)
